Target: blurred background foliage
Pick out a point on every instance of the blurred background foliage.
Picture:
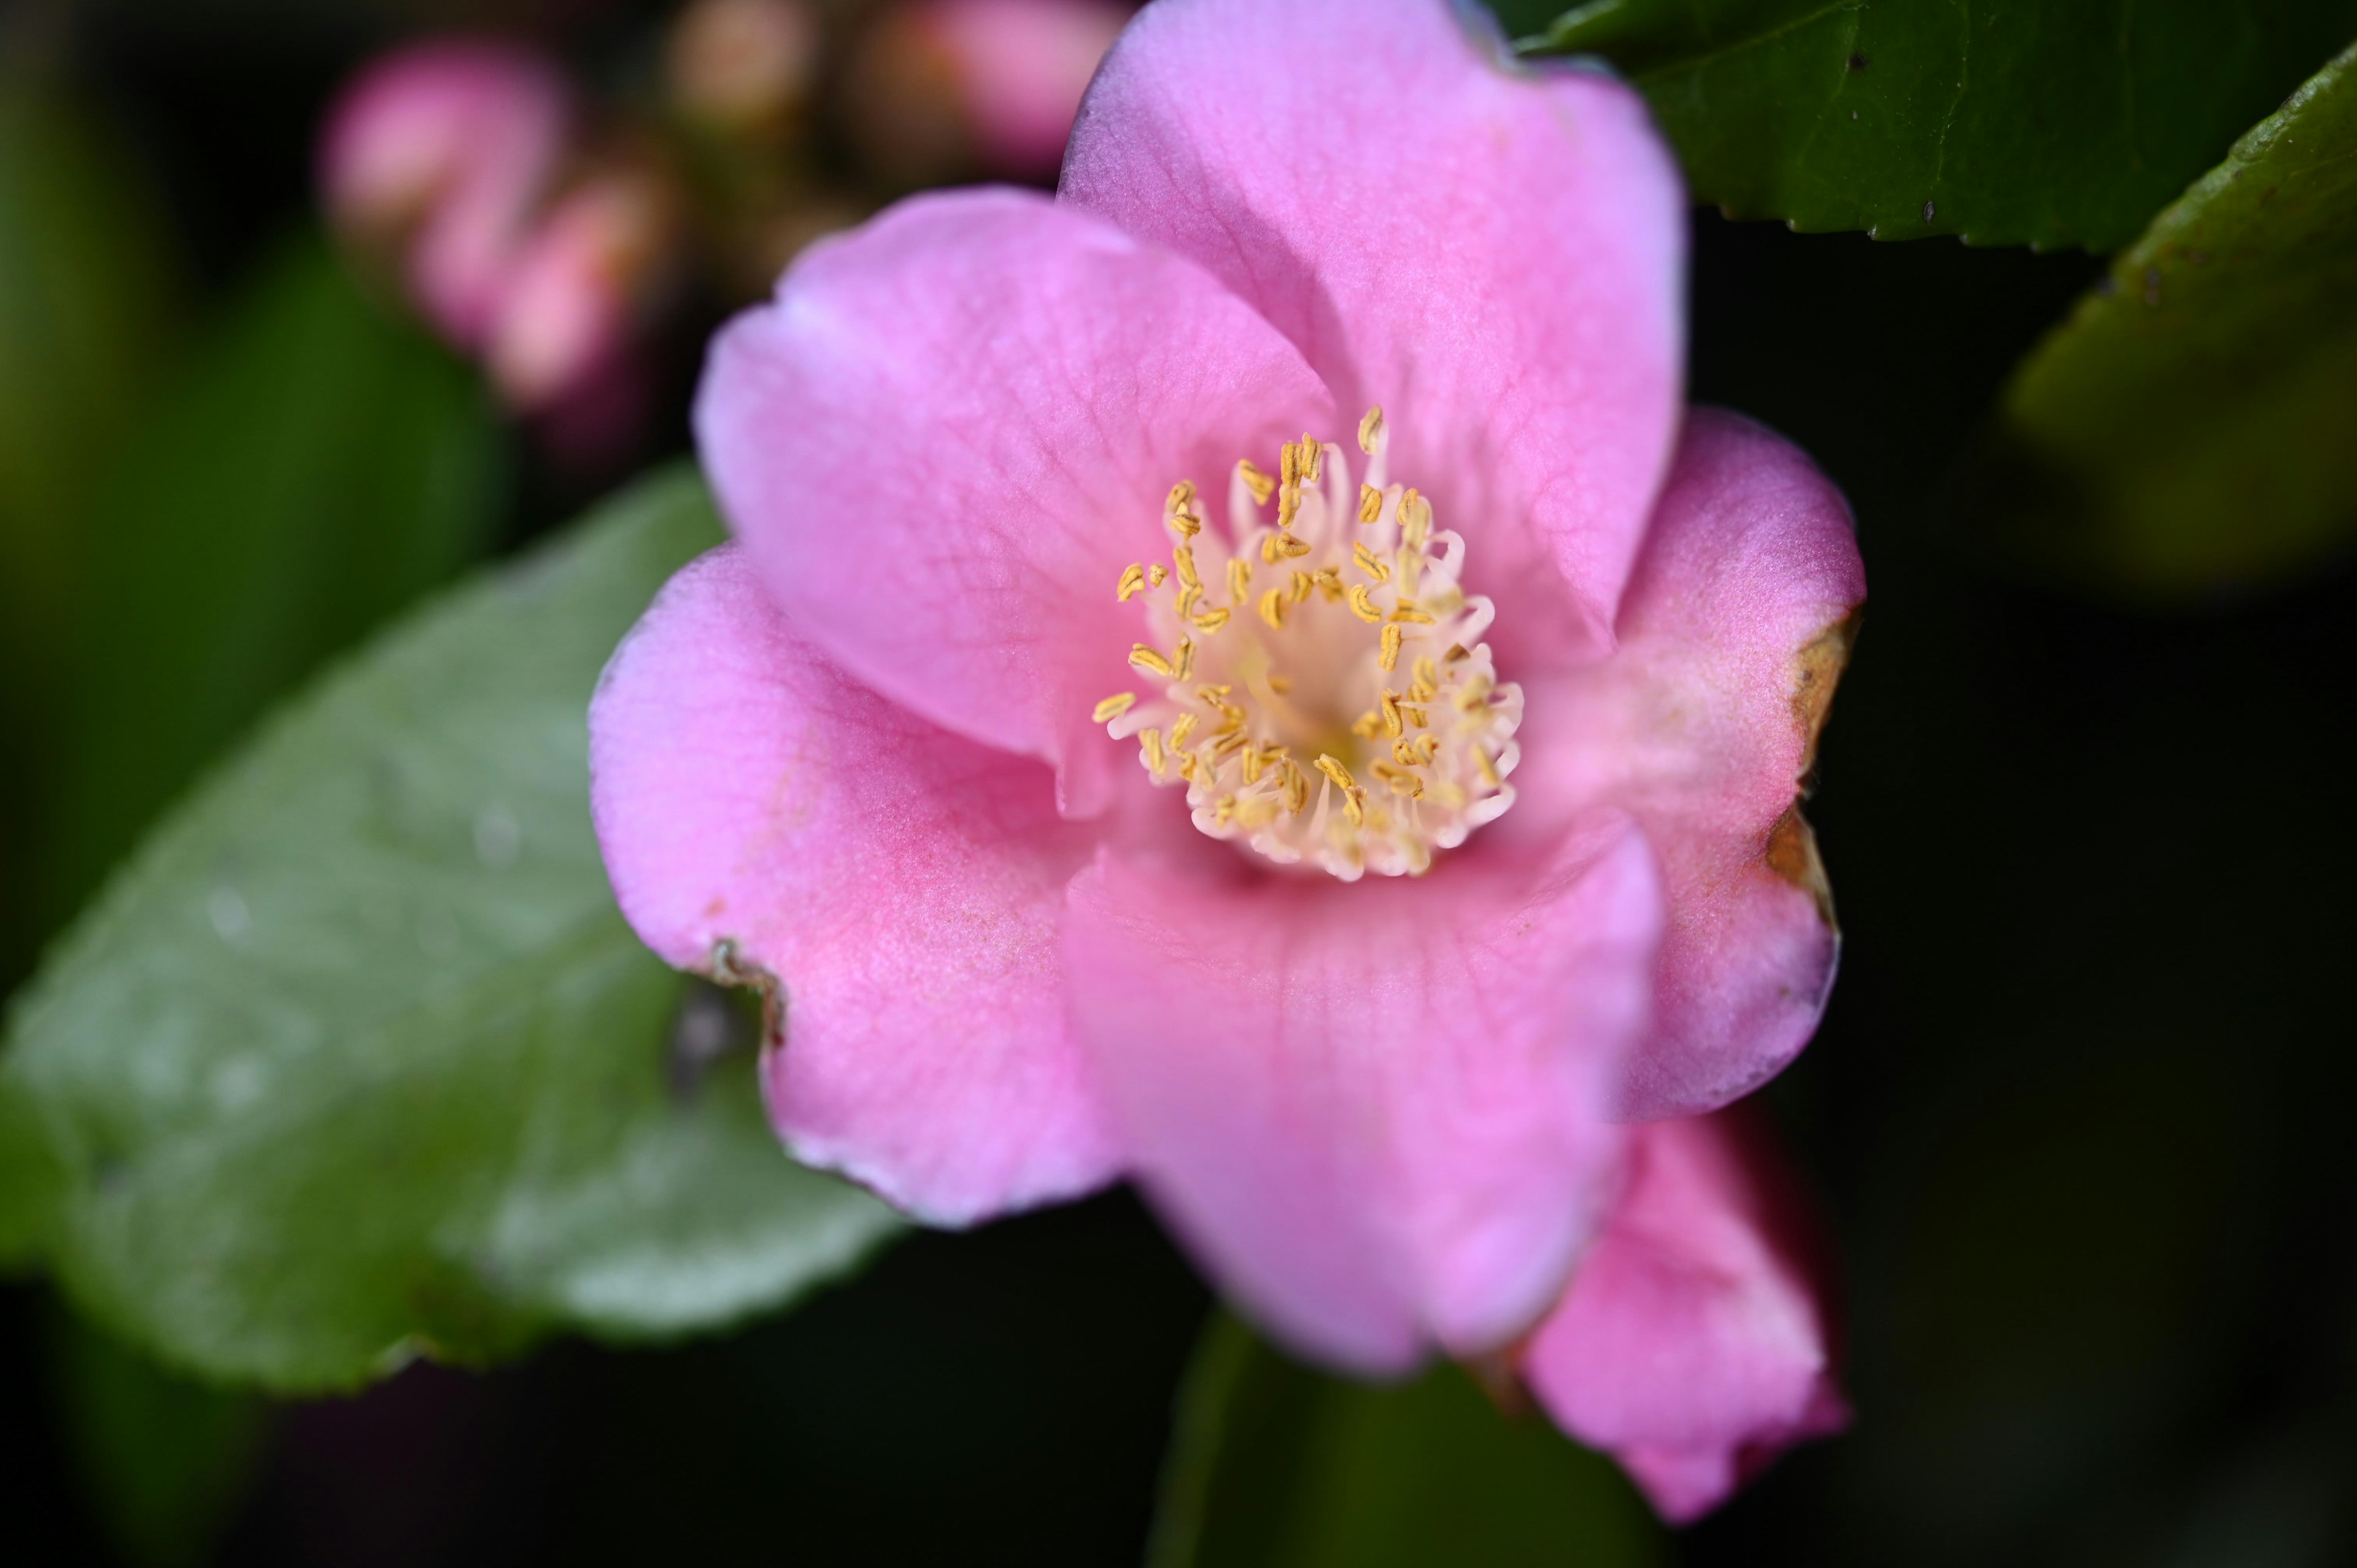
(2076, 1112)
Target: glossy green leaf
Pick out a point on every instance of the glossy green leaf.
(314, 467)
(1274, 1465)
(2193, 427)
(356, 1059)
(2006, 122)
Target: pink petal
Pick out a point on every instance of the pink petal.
(1691, 1344)
(1493, 253)
(956, 426)
(1372, 1109)
(1704, 726)
(902, 885)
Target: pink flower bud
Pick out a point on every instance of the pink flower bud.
(577, 286)
(438, 154)
(946, 87)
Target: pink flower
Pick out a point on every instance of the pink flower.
(1691, 1345)
(1033, 745)
(443, 151)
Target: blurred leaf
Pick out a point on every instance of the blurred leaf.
(163, 1459)
(1278, 1465)
(357, 1060)
(2006, 122)
(85, 282)
(2194, 426)
(316, 468)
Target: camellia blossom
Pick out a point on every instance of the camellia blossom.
(1245, 676)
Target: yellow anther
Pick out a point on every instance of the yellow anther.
(1211, 621)
(1239, 578)
(1181, 730)
(1407, 753)
(1132, 584)
(1182, 497)
(1184, 664)
(1413, 713)
(1292, 545)
(1427, 673)
(1288, 505)
(1227, 746)
(1388, 657)
(1402, 781)
(1296, 787)
(1370, 430)
(1370, 563)
(1405, 611)
(1272, 609)
(1416, 519)
(1180, 511)
(1183, 557)
(1332, 767)
(1313, 458)
(1272, 550)
(1329, 583)
(1393, 725)
(1366, 725)
(1189, 593)
(1112, 707)
(1280, 684)
(1261, 486)
(1362, 606)
(1289, 465)
(1354, 806)
(1411, 569)
(1456, 654)
(1298, 588)
(1152, 663)
(1186, 525)
(1189, 766)
(1370, 503)
(1252, 763)
(1149, 745)
(1475, 693)
(1157, 574)
(1488, 764)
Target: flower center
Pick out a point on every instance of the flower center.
(1322, 689)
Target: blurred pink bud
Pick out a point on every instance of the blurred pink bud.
(944, 87)
(1021, 68)
(442, 150)
(743, 63)
(577, 288)
(1692, 1345)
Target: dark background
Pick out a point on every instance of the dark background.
(2078, 1110)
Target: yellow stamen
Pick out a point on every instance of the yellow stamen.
(1488, 764)
(1363, 607)
(1211, 621)
(1416, 519)
(1149, 744)
(1181, 730)
(1280, 684)
(1112, 707)
(1272, 609)
(1393, 725)
(1370, 430)
(1157, 574)
(1365, 725)
(1370, 503)
(1370, 563)
(1332, 767)
(1239, 578)
(1408, 612)
(1292, 545)
(1184, 665)
(1152, 663)
(1389, 655)
(1183, 557)
(1132, 584)
(1261, 486)
(1299, 589)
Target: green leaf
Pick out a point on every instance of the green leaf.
(1274, 1466)
(316, 467)
(2006, 122)
(86, 283)
(164, 1460)
(356, 1059)
(2193, 427)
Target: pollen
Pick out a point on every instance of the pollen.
(1327, 699)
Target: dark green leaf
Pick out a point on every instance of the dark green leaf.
(317, 466)
(164, 1460)
(356, 1058)
(2006, 122)
(2194, 426)
(1274, 1465)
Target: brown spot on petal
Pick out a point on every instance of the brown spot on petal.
(727, 966)
(1816, 672)
(1793, 855)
